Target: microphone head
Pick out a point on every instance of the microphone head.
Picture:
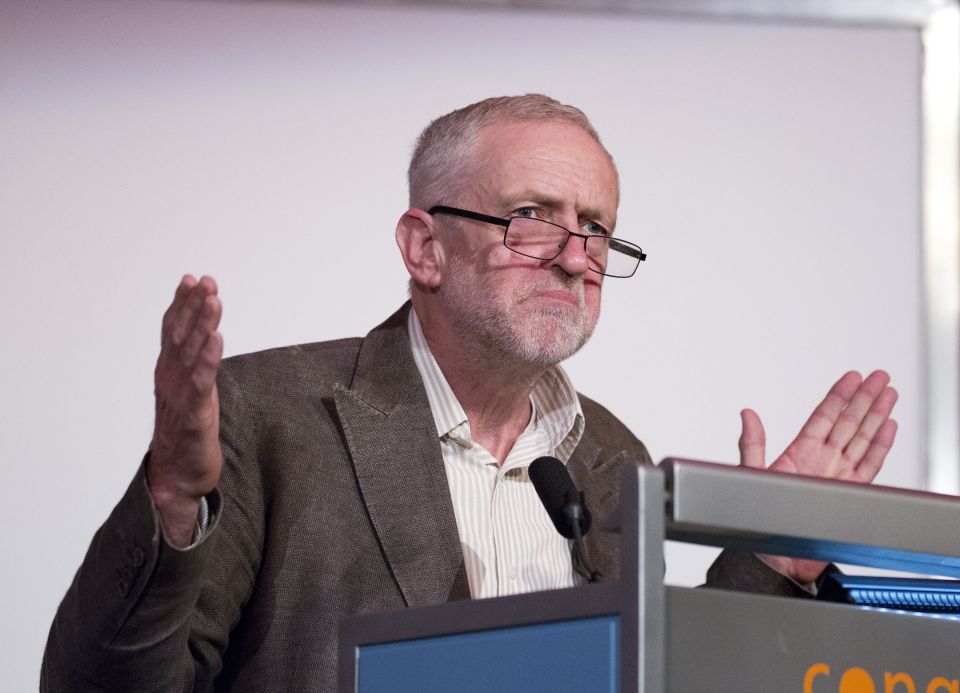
(557, 491)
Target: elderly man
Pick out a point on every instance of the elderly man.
(288, 489)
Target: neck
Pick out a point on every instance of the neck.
(494, 392)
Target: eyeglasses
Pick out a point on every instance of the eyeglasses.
(544, 240)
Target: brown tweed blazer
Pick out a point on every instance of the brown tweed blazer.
(333, 502)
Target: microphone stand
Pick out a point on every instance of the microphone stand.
(573, 511)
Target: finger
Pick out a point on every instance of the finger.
(752, 441)
(870, 466)
(208, 361)
(187, 282)
(853, 415)
(879, 412)
(185, 319)
(206, 323)
(825, 416)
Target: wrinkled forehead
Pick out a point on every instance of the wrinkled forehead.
(505, 138)
(549, 158)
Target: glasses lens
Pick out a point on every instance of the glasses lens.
(623, 257)
(544, 241)
(535, 238)
(598, 250)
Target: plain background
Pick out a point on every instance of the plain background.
(770, 172)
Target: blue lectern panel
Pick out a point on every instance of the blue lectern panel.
(580, 655)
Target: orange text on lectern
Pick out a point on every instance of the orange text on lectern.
(818, 679)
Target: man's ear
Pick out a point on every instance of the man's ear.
(420, 247)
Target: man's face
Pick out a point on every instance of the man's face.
(519, 308)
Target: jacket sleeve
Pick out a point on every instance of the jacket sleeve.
(743, 571)
(124, 622)
(141, 615)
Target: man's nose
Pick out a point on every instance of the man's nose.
(573, 257)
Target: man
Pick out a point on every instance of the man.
(288, 489)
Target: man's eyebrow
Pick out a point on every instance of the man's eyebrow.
(512, 198)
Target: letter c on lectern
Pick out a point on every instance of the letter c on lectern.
(812, 673)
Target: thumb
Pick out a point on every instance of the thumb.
(752, 441)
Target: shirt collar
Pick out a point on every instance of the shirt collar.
(555, 404)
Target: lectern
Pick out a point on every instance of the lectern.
(638, 634)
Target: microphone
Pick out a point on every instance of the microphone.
(566, 508)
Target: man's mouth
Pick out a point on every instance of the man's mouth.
(560, 296)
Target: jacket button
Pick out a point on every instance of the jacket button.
(136, 556)
(123, 589)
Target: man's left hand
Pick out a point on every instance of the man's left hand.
(846, 437)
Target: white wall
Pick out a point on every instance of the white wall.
(771, 172)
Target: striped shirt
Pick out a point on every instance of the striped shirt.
(509, 544)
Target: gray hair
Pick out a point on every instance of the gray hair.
(444, 148)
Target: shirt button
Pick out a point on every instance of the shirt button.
(513, 574)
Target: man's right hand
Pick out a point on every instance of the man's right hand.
(185, 457)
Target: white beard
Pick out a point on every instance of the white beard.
(542, 335)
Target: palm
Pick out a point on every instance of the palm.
(813, 456)
(847, 437)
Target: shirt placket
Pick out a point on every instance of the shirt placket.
(503, 514)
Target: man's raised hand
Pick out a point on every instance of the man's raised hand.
(847, 437)
(185, 457)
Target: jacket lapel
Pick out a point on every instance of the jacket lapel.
(599, 479)
(393, 443)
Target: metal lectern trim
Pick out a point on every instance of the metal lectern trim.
(643, 616)
(771, 512)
